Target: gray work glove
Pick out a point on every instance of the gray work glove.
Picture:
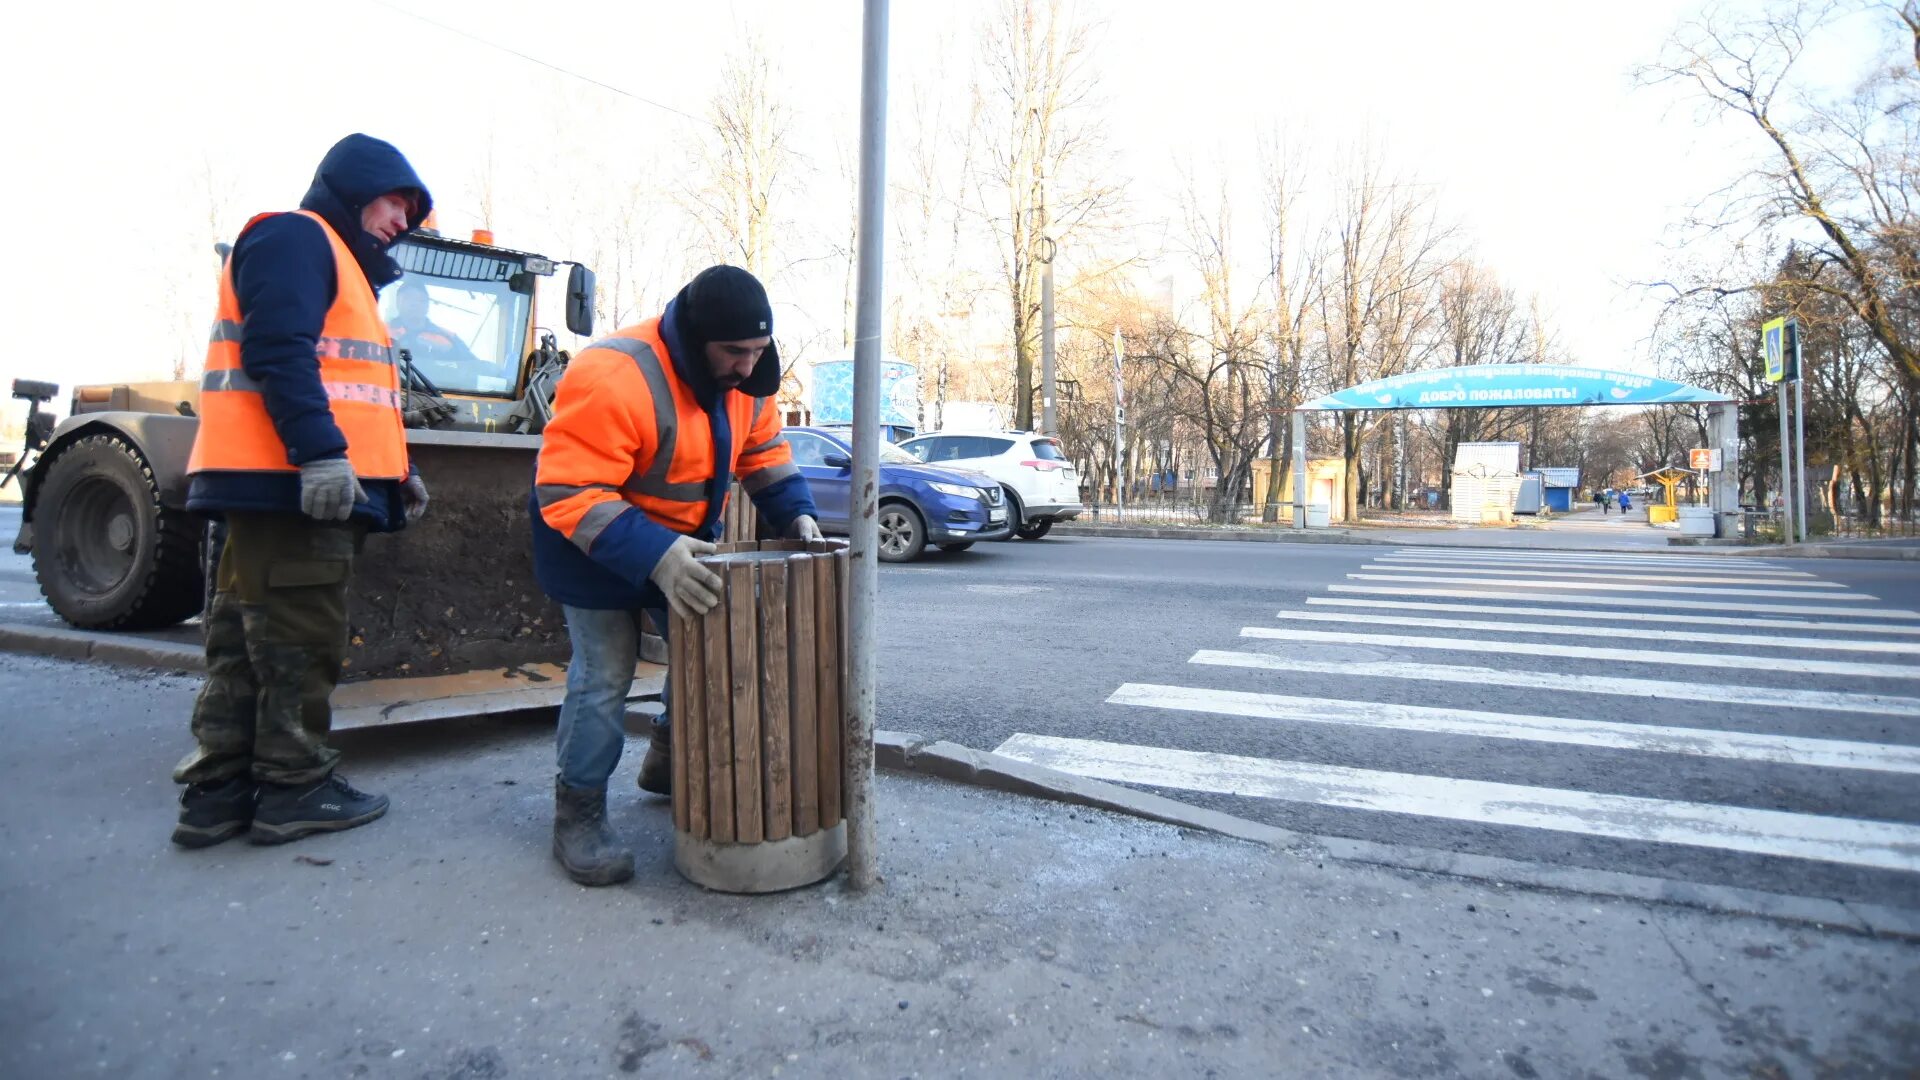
(328, 489)
(413, 495)
(691, 588)
(805, 528)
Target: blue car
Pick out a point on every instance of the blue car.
(919, 504)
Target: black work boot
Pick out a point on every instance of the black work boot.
(582, 843)
(211, 813)
(330, 804)
(656, 769)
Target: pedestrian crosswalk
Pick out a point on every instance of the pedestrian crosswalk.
(1702, 669)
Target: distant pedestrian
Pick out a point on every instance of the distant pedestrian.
(1626, 503)
(1600, 501)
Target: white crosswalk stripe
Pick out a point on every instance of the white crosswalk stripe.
(1587, 652)
(1626, 616)
(1561, 583)
(1878, 844)
(1700, 742)
(1604, 609)
(1837, 701)
(1624, 601)
(1765, 641)
(1605, 574)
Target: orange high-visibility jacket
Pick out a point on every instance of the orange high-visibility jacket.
(627, 432)
(356, 366)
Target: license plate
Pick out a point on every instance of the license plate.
(996, 515)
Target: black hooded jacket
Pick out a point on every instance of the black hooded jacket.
(284, 277)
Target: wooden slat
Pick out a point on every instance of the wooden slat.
(805, 698)
(678, 630)
(692, 736)
(744, 646)
(776, 742)
(719, 725)
(828, 662)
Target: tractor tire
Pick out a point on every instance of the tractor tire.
(107, 554)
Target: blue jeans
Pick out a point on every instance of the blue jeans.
(606, 645)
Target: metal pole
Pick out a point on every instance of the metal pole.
(1119, 432)
(1786, 467)
(864, 520)
(1299, 470)
(1046, 338)
(1800, 436)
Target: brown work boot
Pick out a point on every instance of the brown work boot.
(582, 843)
(656, 769)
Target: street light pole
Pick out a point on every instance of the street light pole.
(1047, 251)
(862, 874)
(1119, 431)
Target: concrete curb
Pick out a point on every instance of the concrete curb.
(1276, 536)
(903, 752)
(68, 644)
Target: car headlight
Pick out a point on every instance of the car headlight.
(958, 491)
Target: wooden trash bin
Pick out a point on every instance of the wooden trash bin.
(759, 707)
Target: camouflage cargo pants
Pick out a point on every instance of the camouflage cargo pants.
(276, 635)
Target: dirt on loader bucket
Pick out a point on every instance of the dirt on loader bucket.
(455, 591)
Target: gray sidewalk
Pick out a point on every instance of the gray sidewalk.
(1012, 938)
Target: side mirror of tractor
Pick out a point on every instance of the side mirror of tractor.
(580, 300)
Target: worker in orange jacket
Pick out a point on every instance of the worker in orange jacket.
(650, 428)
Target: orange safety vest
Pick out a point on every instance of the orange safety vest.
(626, 431)
(356, 366)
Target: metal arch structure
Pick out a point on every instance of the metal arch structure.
(1504, 386)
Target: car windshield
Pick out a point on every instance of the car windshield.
(459, 320)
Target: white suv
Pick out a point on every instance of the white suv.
(1042, 485)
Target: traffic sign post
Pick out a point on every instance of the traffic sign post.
(1775, 348)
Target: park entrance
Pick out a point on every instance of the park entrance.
(1493, 386)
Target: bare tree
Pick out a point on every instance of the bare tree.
(1843, 175)
(1044, 147)
(1295, 278)
(743, 160)
(1383, 261)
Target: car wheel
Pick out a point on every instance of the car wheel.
(1033, 530)
(1013, 512)
(962, 546)
(903, 534)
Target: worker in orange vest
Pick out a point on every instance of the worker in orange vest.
(300, 450)
(650, 428)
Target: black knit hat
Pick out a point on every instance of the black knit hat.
(726, 303)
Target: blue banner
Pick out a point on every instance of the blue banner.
(1493, 386)
(899, 393)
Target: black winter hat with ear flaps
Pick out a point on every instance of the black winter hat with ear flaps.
(726, 303)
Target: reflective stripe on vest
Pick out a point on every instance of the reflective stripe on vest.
(356, 370)
(666, 426)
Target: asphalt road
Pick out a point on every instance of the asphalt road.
(1082, 652)
(1033, 639)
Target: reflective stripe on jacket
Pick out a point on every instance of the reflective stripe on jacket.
(355, 355)
(627, 431)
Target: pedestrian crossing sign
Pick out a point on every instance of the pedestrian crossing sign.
(1774, 343)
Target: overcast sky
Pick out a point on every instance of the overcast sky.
(128, 125)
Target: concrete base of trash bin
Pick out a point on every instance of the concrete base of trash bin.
(768, 866)
(1696, 520)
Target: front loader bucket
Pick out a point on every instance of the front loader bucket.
(455, 592)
